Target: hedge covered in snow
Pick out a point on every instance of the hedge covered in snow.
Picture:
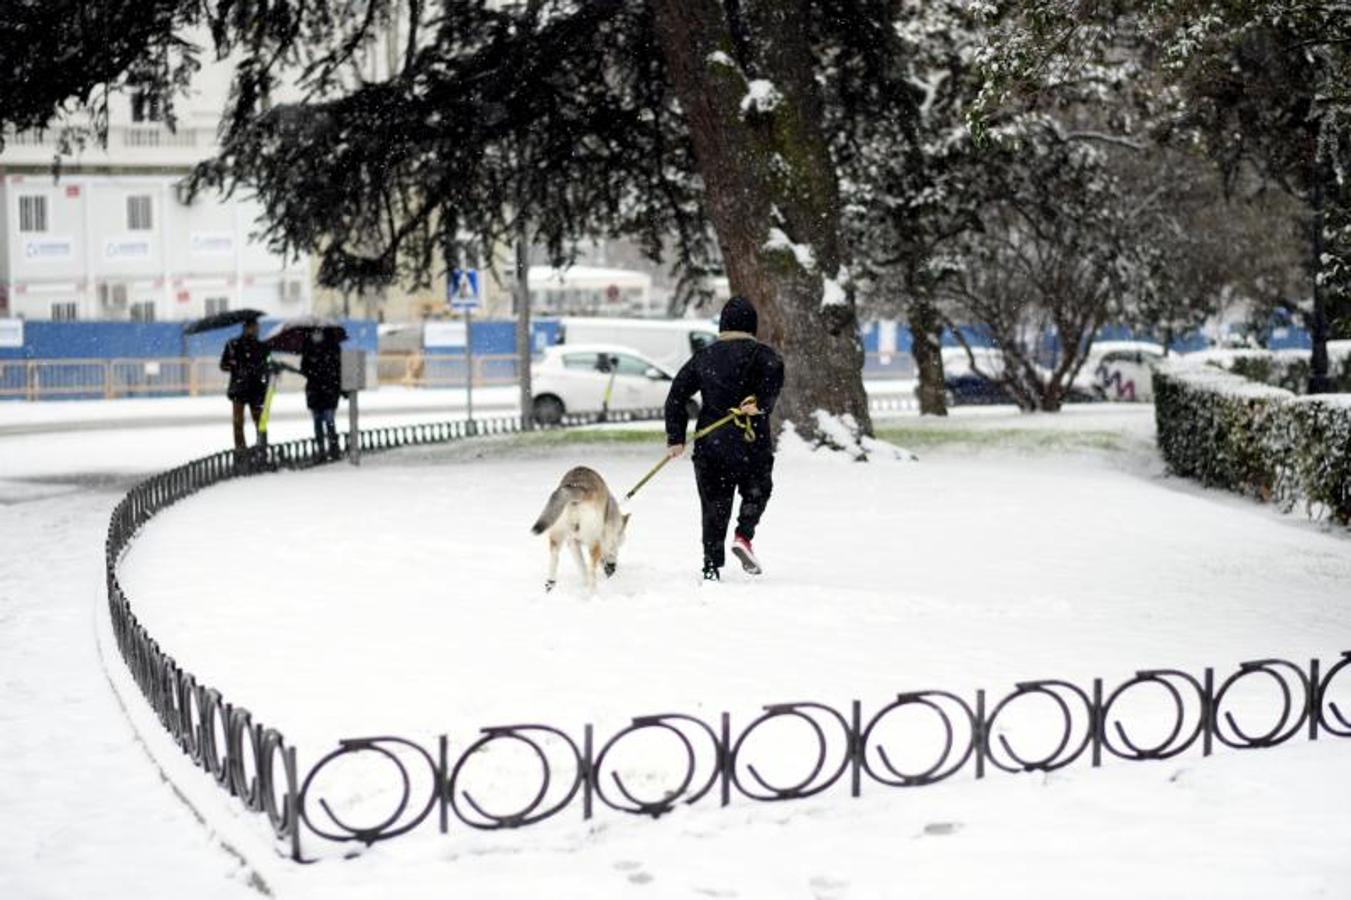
(1226, 431)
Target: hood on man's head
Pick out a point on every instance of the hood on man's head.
(739, 315)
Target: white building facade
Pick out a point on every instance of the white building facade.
(113, 238)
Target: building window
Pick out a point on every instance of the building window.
(144, 107)
(139, 217)
(143, 311)
(33, 213)
(215, 305)
(63, 312)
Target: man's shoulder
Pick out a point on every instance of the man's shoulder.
(769, 353)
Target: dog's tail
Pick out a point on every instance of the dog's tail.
(558, 501)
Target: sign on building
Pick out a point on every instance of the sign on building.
(48, 249)
(126, 248)
(213, 243)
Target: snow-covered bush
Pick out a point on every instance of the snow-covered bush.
(1291, 369)
(838, 437)
(1226, 431)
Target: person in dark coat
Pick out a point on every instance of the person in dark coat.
(246, 359)
(321, 364)
(733, 368)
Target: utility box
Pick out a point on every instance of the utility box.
(353, 370)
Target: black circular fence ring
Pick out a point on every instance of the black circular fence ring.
(901, 778)
(713, 739)
(527, 815)
(279, 814)
(1165, 749)
(1270, 668)
(644, 807)
(214, 713)
(1345, 729)
(381, 832)
(1053, 760)
(511, 820)
(241, 725)
(800, 789)
(187, 701)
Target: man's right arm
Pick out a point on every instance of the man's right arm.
(771, 379)
(684, 387)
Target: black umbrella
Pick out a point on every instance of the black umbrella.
(223, 320)
(292, 335)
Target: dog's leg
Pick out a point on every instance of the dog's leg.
(581, 564)
(553, 563)
(593, 570)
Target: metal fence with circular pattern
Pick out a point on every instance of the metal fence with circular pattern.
(254, 763)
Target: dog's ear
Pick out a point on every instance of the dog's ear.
(626, 519)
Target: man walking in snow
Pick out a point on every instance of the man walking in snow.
(728, 374)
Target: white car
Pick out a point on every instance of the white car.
(1126, 372)
(576, 378)
(667, 342)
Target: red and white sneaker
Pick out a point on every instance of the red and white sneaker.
(741, 548)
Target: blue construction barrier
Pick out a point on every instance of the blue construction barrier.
(103, 357)
(146, 340)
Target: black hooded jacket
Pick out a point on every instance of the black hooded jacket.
(245, 358)
(321, 364)
(725, 373)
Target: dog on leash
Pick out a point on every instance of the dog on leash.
(583, 513)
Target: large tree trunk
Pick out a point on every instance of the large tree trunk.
(769, 168)
(926, 341)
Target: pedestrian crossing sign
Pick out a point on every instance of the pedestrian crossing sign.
(463, 290)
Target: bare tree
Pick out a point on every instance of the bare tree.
(1063, 249)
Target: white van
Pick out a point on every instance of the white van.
(669, 342)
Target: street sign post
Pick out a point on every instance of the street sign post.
(464, 293)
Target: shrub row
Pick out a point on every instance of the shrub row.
(1225, 431)
(1291, 370)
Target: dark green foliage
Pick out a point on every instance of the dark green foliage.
(59, 54)
(1227, 432)
(1290, 372)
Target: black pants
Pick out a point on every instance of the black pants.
(719, 481)
(325, 428)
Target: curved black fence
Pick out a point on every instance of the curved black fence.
(254, 763)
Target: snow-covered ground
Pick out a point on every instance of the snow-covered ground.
(85, 811)
(405, 598)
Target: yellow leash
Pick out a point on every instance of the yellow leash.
(735, 416)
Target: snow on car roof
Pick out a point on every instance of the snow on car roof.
(665, 324)
(597, 348)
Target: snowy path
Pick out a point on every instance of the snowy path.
(85, 812)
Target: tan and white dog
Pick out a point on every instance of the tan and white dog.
(583, 513)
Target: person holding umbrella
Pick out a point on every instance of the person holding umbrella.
(317, 341)
(246, 359)
(321, 364)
